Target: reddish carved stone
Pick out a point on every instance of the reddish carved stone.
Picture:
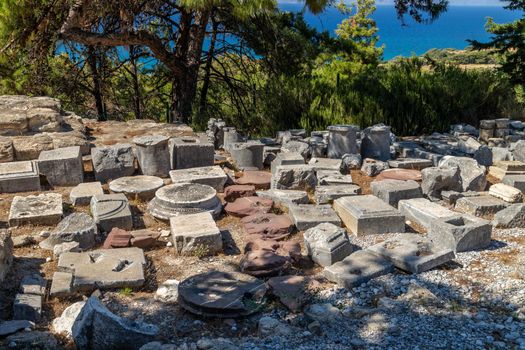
(268, 226)
(231, 193)
(399, 174)
(249, 206)
(117, 238)
(260, 179)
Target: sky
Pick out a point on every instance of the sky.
(452, 2)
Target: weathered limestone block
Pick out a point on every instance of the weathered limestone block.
(42, 209)
(506, 192)
(333, 178)
(82, 193)
(285, 198)
(516, 181)
(367, 214)
(112, 162)
(461, 233)
(33, 284)
(7, 151)
(342, 140)
(27, 307)
(195, 232)
(294, 177)
(111, 210)
(423, 212)
(375, 143)
(392, 191)
(480, 205)
(327, 194)
(62, 167)
(503, 169)
(472, 175)
(212, 176)
(437, 179)
(296, 146)
(141, 187)
(76, 227)
(286, 158)
(306, 216)
(153, 155)
(410, 163)
(191, 152)
(327, 244)
(29, 147)
(247, 155)
(19, 177)
(325, 164)
(510, 217)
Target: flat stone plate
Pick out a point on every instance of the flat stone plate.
(15, 169)
(137, 186)
(222, 294)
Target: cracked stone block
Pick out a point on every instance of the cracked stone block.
(480, 205)
(327, 244)
(104, 268)
(61, 284)
(517, 181)
(111, 210)
(42, 209)
(33, 284)
(507, 193)
(153, 154)
(285, 198)
(191, 152)
(294, 177)
(27, 307)
(286, 158)
(413, 253)
(333, 178)
(410, 163)
(82, 193)
(327, 194)
(392, 191)
(306, 216)
(212, 176)
(357, 268)
(422, 211)
(461, 233)
(513, 216)
(195, 232)
(62, 166)
(112, 162)
(19, 177)
(367, 214)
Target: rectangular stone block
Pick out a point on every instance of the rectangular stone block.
(481, 205)
(461, 233)
(82, 193)
(195, 232)
(112, 162)
(506, 192)
(62, 166)
(357, 268)
(325, 164)
(111, 210)
(191, 152)
(413, 253)
(27, 307)
(333, 178)
(104, 268)
(61, 284)
(212, 176)
(294, 177)
(422, 211)
(410, 163)
(43, 209)
(367, 214)
(33, 284)
(19, 177)
(502, 169)
(327, 244)
(286, 158)
(392, 191)
(516, 181)
(327, 194)
(306, 216)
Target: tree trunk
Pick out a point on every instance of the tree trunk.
(207, 68)
(136, 86)
(97, 84)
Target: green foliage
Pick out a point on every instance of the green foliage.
(127, 292)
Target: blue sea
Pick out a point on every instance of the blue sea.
(451, 30)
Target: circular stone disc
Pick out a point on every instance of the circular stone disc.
(222, 294)
(142, 186)
(186, 193)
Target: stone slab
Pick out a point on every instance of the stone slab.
(505, 192)
(19, 177)
(27, 307)
(413, 253)
(82, 193)
(61, 284)
(357, 268)
(104, 268)
(141, 187)
(212, 176)
(306, 216)
(42, 209)
(480, 205)
(461, 233)
(333, 178)
(368, 214)
(62, 166)
(517, 181)
(33, 284)
(111, 210)
(327, 194)
(422, 211)
(325, 164)
(410, 163)
(287, 158)
(195, 232)
(392, 191)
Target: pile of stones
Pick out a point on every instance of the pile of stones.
(283, 192)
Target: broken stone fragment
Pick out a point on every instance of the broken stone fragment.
(117, 238)
(461, 233)
(327, 244)
(506, 192)
(268, 258)
(231, 193)
(268, 226)
(513, 216)
(293, 291)
(260, 179)
(247, 206)
(168, 291)
(76, 227)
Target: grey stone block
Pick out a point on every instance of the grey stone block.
(471, 173)
(193, 232)
(153, 155)
(191, 152)
(480, 205)
(19, 177)
(111, 210)
(327, 244)
(367, 214)
(413, 253)
(392, 191)
(513, 216)
(112, 162)
(294, 177)
(422, 211)
(248, 155)
(435, 180)
(61, 284)
(516, 181)
(285, 198)
(82, 193)
(27, 307)
(410, 163)
(342, 140)
(333, 178)
(306, 216)
(461, 233)
(326, 164)
(43, 209)
(33, 284)
(375, 142)
(76, 227)
(287, 158)
(62, 166)
(212, 176)
(357, 268)
(327, 194)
